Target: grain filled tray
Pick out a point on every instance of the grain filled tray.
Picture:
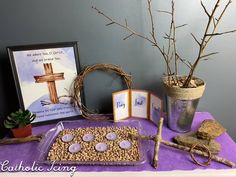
(89, 142)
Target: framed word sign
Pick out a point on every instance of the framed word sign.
(138, 104)
(43, 76)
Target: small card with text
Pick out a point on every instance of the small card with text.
(137, 104)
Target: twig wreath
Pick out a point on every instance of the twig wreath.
(78, 85)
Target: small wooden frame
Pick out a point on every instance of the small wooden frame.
(137, 104)
(155, 108)
(43, 76)
(121, 108)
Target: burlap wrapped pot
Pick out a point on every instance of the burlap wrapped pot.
(182, 102)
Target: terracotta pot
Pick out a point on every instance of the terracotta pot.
(22, 132)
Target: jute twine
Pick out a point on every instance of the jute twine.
(208, 153)
(78, 85)
(181, 93)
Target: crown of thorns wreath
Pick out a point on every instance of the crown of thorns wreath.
(78, 85)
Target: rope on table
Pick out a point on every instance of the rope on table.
(194, 159)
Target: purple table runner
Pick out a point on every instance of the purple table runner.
(22, 157)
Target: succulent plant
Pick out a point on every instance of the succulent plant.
(19, 119)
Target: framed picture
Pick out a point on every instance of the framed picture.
(43, 76)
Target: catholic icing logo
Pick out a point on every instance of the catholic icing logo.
(6, 166)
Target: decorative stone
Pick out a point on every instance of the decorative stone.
(210, 129)
(101, 147)
(111, 136)
(125, 144)
(74, 148)
(67, 138)
(190, 140)
(88, 137)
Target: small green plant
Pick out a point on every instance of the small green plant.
(19, 119)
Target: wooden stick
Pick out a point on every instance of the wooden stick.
(180, 147)
(157, 143)
(198, 152)
(21, 140)
(187, 149)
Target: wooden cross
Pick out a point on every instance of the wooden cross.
(158, 140)
(50, 78)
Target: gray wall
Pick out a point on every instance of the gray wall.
(46, 21)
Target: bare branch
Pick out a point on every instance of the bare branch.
(210, 54)
(223, 11)
(195, 39)
(217, 34)
(180, 26)
(166, 57)
(128, 36)
(190, 64)
(173, 26)
(169, 38)
(151, 19)
(206, 59)
(169, 52)
(166, 35)
(163, 11)
(203, 43)
(124, 26)
(171, 56)
(187, 63)
(99, 12)
(134, 33)
(216, 22)
(205, 9)
(108, 24)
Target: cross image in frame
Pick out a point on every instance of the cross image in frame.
(43, 75)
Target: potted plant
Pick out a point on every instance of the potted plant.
(183, 91)
(20, 123)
